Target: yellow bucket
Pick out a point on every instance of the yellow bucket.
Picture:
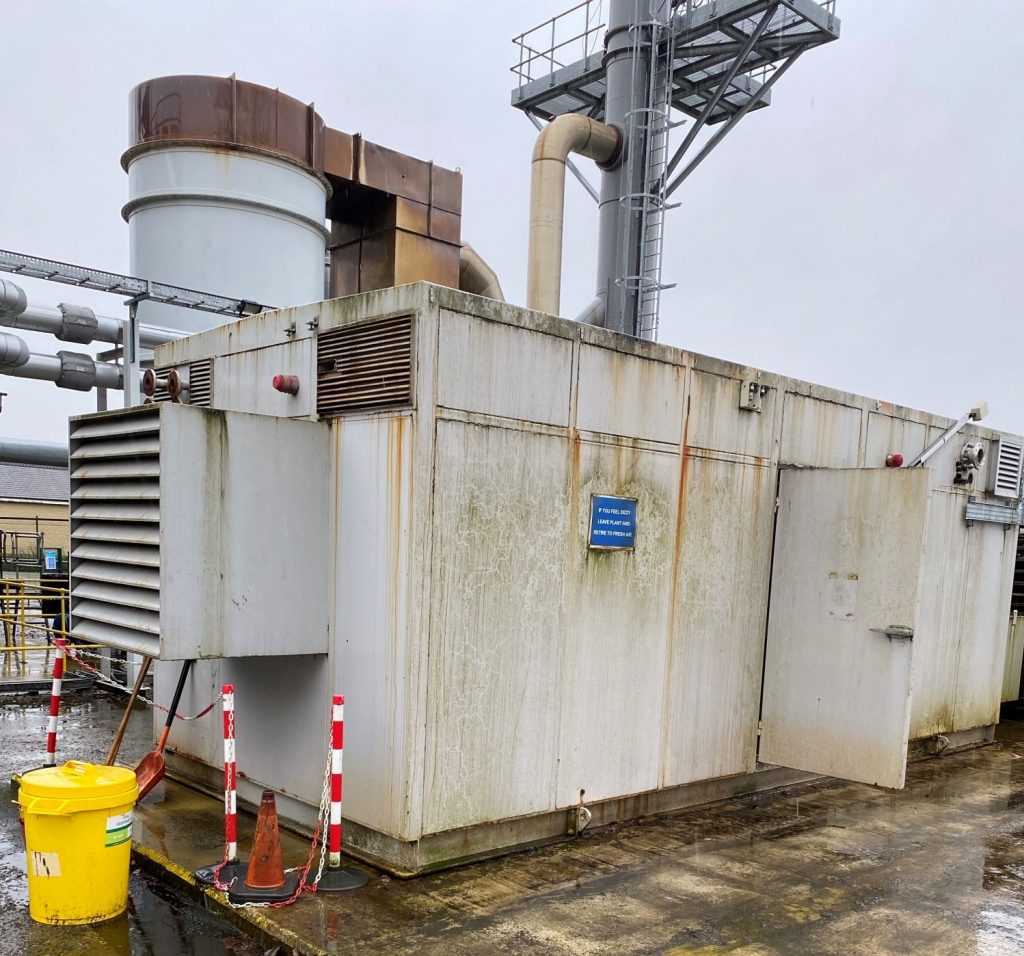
(78, 840)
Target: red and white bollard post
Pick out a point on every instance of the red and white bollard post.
(230, 777)
(223, 873)
(335, 877)
(51, 724)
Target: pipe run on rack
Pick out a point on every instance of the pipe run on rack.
(74, 370)
(71, 323)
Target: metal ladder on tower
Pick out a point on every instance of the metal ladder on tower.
(652, 228)
(654, 119)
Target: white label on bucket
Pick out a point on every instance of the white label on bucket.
(45, 864)
(119, 829)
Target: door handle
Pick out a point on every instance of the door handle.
(898, 632)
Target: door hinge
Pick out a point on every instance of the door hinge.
(760, 727)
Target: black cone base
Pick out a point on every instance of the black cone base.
(340, 879)
(235, 870)
(240, 893)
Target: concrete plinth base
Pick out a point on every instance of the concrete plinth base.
(437, 851)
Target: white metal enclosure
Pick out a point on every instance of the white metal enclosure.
(498, 670)
(841, 621)
(184, 534)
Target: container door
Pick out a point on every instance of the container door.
(844, 596)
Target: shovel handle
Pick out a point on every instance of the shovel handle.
(182, 677)
(119, 736)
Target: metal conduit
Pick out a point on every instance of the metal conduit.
(569, 133)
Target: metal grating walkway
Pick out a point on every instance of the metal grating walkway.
(707, 37)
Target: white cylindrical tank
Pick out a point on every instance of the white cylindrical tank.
(217, 220)
(224, 195)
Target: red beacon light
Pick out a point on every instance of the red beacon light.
(894, 460)
(289, 384)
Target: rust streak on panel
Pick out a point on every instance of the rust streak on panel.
(684, 467)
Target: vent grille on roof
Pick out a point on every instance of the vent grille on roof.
(200, 383)
(364, 366)
(1006, 472)
(115, 530)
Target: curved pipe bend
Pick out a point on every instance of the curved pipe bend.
(476, 276)
(569, 133)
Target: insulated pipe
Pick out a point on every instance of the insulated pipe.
(33, 452)
(13, 352)
(68, 369)
(569, 133)
(71, 323)
(476, 276)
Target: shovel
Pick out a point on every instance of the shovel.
(150, 770)
(119, 736)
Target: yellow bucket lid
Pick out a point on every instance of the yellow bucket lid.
(76, 780)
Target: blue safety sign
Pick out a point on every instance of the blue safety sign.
(612, 523)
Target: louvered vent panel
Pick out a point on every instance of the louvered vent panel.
(364, 366)
(160, 392)
(115, 530)
(200, 383)
(1006, 471)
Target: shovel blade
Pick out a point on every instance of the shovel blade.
(149, 772)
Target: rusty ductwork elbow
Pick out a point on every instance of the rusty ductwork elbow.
(476, 276)
(570, 133)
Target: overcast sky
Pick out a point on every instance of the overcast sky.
(864, 232)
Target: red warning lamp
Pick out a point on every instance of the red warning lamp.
(289, 384)
(894, 460)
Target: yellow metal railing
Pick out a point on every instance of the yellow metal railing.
(22, 617)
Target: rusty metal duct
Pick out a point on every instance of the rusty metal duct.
(476, 276)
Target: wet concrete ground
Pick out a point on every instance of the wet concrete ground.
(818, 869)
(824, 868)
(159, 919)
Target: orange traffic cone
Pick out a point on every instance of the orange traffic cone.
(266, 880)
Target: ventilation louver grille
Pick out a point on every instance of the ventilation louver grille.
(160, 392)
(115, 530)
(1006, 471)
(364, 366)
(200, 383)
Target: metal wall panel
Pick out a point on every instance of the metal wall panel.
(372, 664)
(819, 433)
(716, 422)
(718, 621)
(245, 380)
(622, 394)
(887, 433)
(982, 650)
(497, 625)
(616, 627)
(281, 739)
(247, 520)
(483, 366)
(940, 618)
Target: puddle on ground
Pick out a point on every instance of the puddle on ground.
(158, 921)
